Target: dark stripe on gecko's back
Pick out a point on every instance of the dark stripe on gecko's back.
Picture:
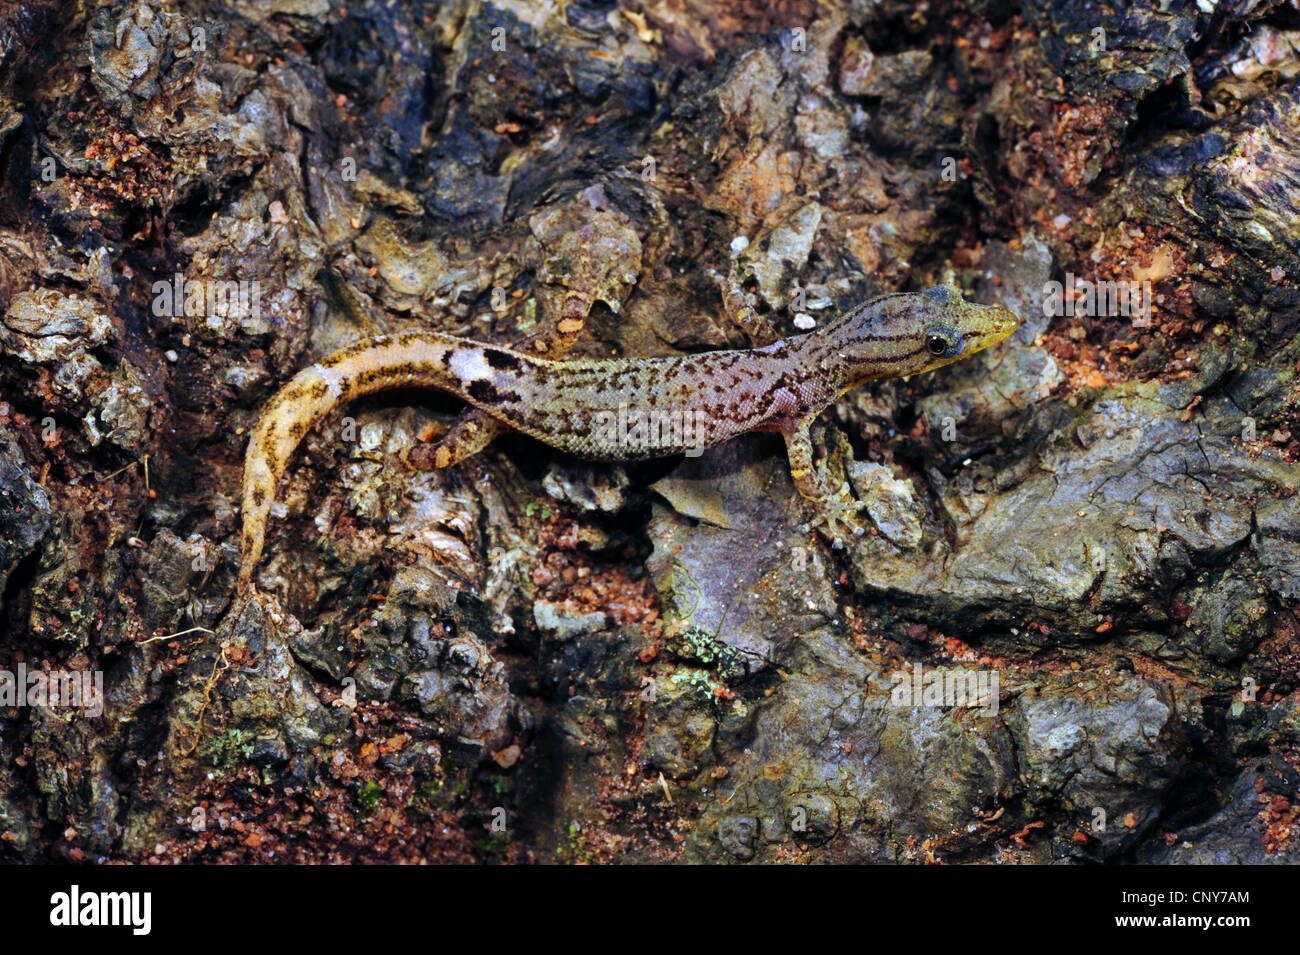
(315, 389)
(575, 376)
(484, 391)
(501, 360)
(407, 370)
(578, 373)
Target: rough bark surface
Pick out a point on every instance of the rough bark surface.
(524, 658)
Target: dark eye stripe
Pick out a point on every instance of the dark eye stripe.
(880, 359)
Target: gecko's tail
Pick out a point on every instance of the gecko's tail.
(414, 360)
(291, 413)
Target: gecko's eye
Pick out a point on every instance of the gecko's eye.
(937, 345)
(942, 342)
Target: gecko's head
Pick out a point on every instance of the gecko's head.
(907, 334)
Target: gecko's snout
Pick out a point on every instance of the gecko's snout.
(1004, 322)
(995, 323)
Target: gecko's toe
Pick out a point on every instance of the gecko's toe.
(836, 517)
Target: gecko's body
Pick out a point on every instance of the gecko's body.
(676, 404)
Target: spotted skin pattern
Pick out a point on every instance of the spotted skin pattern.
(475, 429)
(622, 409)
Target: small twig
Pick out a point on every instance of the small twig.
(120, 470)
(179, 633)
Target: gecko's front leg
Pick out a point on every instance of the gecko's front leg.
(836, 511)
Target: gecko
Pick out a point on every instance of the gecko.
(703, 399)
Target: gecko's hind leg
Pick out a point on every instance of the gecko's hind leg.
(738, 307)
(835, 511)
(475, 429)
